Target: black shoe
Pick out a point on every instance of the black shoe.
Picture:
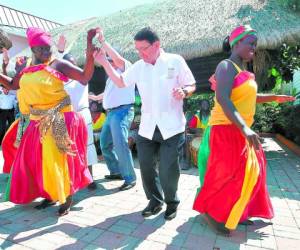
(127, 186)
(45, 203)
(65, 208)
(113, 177)
(92, 186)
(171, 212)
(152, 209)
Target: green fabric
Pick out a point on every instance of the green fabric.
(203, 155)
(138, 101)
(239, 37)
(204, 121)
(7, 191)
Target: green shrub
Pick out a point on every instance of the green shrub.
(278, 118)
(287, 123)
(265, 116)
(192, 104)
(291, 4)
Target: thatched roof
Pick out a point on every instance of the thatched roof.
(191, 28)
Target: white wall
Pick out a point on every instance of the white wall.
(19, 43)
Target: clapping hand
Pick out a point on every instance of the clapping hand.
(100, 35)
(5, 58)
(61, 43)
(100, 56)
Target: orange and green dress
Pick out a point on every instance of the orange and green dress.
(234, 187)
(50, 161)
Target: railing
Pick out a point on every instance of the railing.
(19, 19)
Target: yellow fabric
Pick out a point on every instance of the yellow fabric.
(251, 175)
(42, 90)
(243, 98)
(56, 180)
(198, 125)
(99, 122)
(202, 125)
(40, 83)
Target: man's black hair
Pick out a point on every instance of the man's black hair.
(146, 34)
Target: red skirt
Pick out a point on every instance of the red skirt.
(225, 174)
(40, 170)
(8, 149)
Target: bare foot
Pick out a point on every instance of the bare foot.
(219, 228)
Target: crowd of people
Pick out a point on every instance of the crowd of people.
(56, 122)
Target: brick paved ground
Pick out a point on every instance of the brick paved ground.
(108, 219)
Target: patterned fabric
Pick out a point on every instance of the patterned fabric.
(232, 175)
(42, 166)
(239, 33)
(234, 187)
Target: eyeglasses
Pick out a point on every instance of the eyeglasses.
(143, 48)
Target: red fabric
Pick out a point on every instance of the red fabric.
(239, 79)
(96, 116)
(27, 176)
(53, 72)
(225, 175)
(8, 149)
(38, 37)
(79, 173)
(193, 122)
(242, 30)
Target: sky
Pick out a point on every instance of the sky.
(68, 11)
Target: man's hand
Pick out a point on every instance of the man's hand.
(101, 38)
(5, 58)
(61, 43)
(178, 93)
(100, 56)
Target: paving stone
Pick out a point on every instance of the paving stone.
(108, 219)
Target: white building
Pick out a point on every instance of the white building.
(15, 23)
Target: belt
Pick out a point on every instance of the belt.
(54, 120)
(111, 109)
